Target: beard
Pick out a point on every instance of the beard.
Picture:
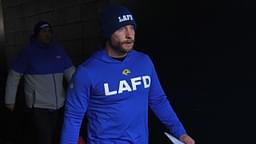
(119, 48)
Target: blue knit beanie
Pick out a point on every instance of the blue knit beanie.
(113, 17)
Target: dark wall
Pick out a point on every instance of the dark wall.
(3, 71)
(74, 22)
(174, 35)
(2, 55)
(75, 27)
(204, 54)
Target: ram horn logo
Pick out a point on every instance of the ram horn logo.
(126, 72)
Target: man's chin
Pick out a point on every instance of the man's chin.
(126, 50)
(127, 47)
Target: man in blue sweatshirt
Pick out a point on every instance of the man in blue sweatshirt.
(115, 87)
(44, 65)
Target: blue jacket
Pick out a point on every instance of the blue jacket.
(43, 68)
(115, 96)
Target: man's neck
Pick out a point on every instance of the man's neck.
(114, 53)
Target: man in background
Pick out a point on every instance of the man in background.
(43, 64)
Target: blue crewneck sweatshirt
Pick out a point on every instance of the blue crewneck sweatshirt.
(115, 96)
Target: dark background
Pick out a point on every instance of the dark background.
(204, 54)
(205, 57)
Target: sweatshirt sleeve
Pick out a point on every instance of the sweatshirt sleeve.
(68, 73)
(68, 66)
(162, 108)
(21, 62)
(11, 88)
(17, 70)
(75, 106)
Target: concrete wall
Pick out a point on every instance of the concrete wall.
(3, 69)
(74, 22)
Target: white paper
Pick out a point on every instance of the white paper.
(173, 139)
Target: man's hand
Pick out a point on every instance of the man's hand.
(187, 139)
(10, 107)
